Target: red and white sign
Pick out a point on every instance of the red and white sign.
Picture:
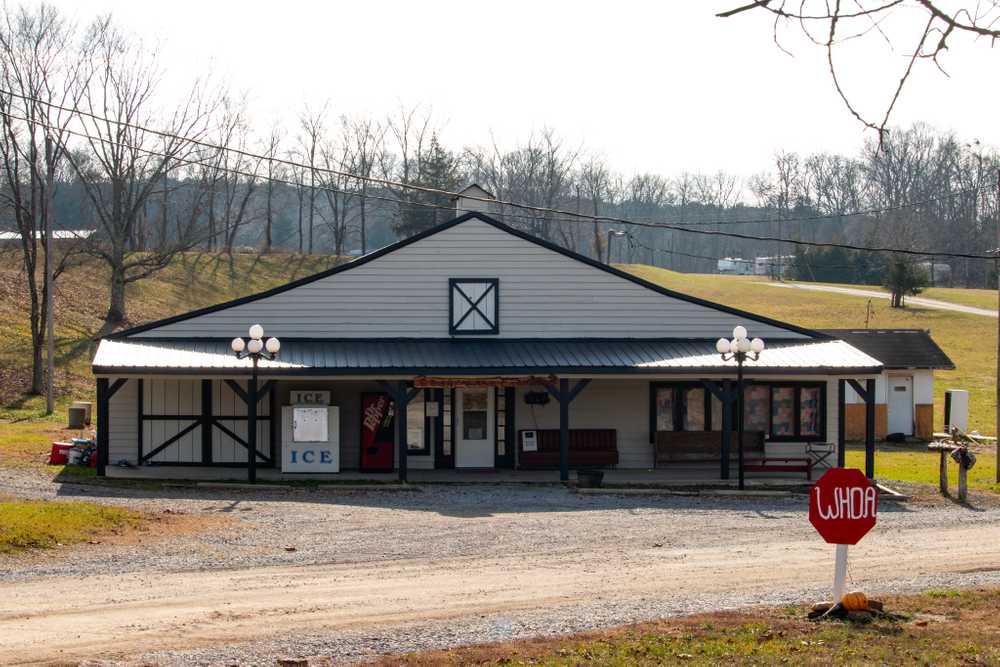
(843, 505)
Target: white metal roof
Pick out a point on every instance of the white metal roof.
(409, 356)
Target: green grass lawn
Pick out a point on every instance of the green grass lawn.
(969, 340)
(921, 467)
(41, 524)
(949, 627)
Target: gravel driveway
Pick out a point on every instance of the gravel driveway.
(299, 572)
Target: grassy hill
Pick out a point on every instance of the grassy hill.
(970, 340)
(196, 280)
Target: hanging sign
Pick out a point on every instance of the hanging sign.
(428, 382)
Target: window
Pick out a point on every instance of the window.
(790, 411)
(473, 305)
(474, 418)
(682, 407)
(785, 411)
(419, 426)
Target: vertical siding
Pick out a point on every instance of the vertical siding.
(171, 397)
(405, 293)
(123, 424)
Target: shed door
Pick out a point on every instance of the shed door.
(901, 405)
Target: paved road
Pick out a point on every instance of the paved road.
(875, 294)
(376, 573)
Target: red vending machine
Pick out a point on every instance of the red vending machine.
(378, 427)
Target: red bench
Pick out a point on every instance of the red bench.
(588, 447)
(779, 464)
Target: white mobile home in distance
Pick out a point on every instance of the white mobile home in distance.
(472, 346)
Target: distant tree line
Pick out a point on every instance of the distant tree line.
(79, 102)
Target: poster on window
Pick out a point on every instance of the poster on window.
(377, 432)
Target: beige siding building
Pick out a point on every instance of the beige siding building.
(473, 346)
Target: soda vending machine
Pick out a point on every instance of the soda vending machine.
(378, 428)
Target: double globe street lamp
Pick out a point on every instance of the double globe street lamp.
(739, 348)
(256, 348)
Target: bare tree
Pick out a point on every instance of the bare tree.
(929, 32)
(312, 124)
(40, 69)
(125, 162)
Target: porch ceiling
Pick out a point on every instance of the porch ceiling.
(477, 356)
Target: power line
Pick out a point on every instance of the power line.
(568, 215)
(448, 193)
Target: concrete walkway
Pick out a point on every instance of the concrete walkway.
(875, 294)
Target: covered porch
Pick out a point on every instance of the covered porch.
(479, 410)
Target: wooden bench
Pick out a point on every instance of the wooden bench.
(703, 446)
(588, 447)
(779, 464)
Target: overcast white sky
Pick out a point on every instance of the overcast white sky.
(661, 86)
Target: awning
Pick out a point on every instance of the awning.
(475, 357)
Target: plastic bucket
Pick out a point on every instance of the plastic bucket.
(60, 453)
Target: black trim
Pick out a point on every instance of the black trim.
(140, 400)
(361, 261)
(455, 284)
(206, 425)
(680, 406)
(171, 440)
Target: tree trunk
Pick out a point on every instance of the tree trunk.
(116, 308)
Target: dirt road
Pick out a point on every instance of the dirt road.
(876, 294)
(652, 564)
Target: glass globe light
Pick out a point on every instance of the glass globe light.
(757, 345)
(739, 331)
(256, 332)
(743, 345)
(238, 345)
(272, 345)
(255, 345)
(722, 346)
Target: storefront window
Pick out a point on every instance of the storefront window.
(756, 406)
(665, 409)
(782, 411)
(809, 410)
(694, 410)
(415, 422)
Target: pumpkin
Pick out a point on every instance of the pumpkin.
(855, 601)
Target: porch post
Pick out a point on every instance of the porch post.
(102, 426)
(401, 403)
(565, 396)
(841, 425)
(727, 427)
(870, 428)
(252, 425)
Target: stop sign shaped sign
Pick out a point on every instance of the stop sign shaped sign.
(843, 505)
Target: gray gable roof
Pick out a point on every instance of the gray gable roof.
(897, 348)
(362, 261)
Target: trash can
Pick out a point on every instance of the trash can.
(77, 416)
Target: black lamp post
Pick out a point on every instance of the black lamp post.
(255, 349)
(739, 348)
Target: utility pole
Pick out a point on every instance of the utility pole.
(997, 397)
(50, 398)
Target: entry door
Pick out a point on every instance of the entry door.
(901, 405)
(474, 428)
